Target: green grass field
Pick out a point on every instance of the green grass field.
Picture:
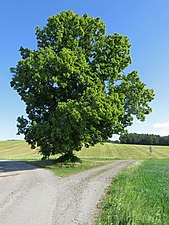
(123, 151)
(19, 150)
(138, 196)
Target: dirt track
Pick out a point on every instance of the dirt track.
(34, 196)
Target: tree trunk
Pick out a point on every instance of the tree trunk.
(69, 155)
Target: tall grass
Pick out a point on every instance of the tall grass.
(138, 196)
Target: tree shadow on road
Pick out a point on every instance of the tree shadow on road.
(57, 163)
(10, 166)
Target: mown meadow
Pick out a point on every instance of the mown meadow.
(139, 195)
(17, 150)
(20, 150)
(123, 151)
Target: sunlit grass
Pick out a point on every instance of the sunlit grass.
(17, 150)
(20, 150)
(123, 151)
(61, 169)
(138, 196)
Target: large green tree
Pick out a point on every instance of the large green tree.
(74, 85)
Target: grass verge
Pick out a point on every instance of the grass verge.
(138, 196)
(67, 169)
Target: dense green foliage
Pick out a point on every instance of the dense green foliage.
(74, 85)
(139, 196)
(144, 139)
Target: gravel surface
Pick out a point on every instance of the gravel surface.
(34, 196)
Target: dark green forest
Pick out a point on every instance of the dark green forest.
(144, 139)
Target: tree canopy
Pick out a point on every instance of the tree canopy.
(74, 86)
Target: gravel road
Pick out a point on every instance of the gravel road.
(34, 196)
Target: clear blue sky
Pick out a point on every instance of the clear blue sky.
(145, 22)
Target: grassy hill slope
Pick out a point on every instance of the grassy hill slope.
(21, 150)
(17, 150)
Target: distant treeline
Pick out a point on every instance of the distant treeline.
(144, 139)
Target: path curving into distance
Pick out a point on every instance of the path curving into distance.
(35, 196)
